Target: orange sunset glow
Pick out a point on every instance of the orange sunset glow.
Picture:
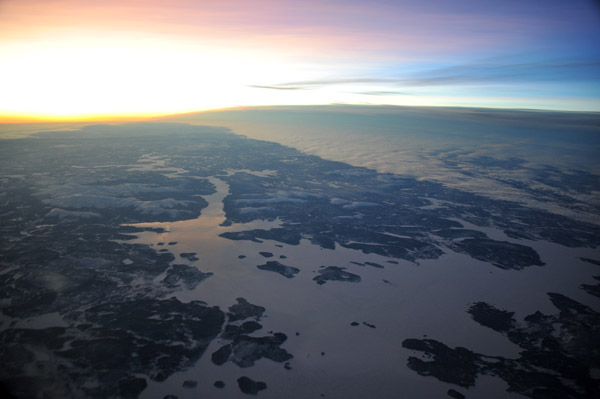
(72, 60)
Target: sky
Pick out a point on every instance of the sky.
(73, 59)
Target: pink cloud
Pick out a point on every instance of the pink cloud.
(376, 30)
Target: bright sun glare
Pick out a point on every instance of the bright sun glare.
(72, 79)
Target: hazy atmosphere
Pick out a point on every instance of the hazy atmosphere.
(299, 199)
(93, 59)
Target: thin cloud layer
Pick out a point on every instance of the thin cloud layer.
(482, 72)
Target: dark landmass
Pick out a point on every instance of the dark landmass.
(281, 235)
(274, 266)
(66, 249)
(243, 349)
(592, 261)
(372, 264)
(191, 256)
(592, 289)
(233, 330)
(189, 276)
(79, 264)
(131, 387)
(243, 310)
(334, 273)
(190, 384)
(558, 352)
(154, 338)
(221, 355)
(379, 213)
(502, 254)
(219, 384)
(459, 233)
(250, 386)
(455, 394)
(489, 316)
(266, 254)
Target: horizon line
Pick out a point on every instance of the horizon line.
(8, 118)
